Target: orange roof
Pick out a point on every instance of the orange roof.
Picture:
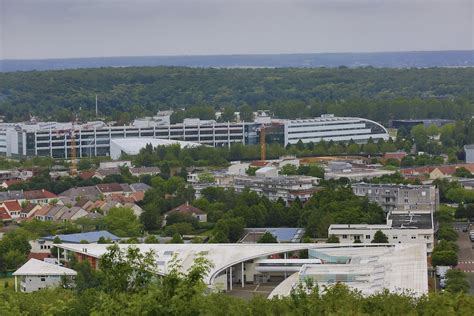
(138, 196)
(12, 181)
(468, 166)
(259, 163)
(86, 174)
(4, 214)
(396, 155)
(12, 206)
(39, 194)
(121, 198)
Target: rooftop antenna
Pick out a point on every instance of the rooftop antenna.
(96, 108)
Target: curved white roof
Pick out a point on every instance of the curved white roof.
(37, 267)
(404, 265)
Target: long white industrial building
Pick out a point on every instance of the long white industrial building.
(53, 139)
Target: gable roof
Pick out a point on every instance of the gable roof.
(37, 267)
(8, 183)
(187, 209)
(39, 194)
(11, 195)
(85, 175)
(140, 187)
(4, 214)
(109, 187)
(43, 211)
(91, 237)
(88, 191)
(70, 213)
(29, 207)
(12, 206)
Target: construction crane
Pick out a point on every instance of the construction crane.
(263, 145)
(73, 169)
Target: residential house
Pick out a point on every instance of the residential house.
(4, 215)
(29, 210)
(140, 171)
(140, 187)
(435, 172)
(13, 208)
(399, 155)
(7, 183)
(42, 213)
(12, 196)
(110, 188)
(71, 214)
(39, 196)
(188, 210)
(55, 212)
(87, 192)
(35, 275)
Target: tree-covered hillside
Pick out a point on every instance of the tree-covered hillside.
(374, 93)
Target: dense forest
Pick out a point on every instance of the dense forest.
(125, 93)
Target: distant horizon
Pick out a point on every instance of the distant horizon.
(245, 54)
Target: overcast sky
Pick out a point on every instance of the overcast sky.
(33, 29)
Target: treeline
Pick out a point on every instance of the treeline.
(126, 93)
(130, 288)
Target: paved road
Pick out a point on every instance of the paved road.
(466, 253)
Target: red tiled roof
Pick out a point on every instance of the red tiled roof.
(396, 155)
(12, 181)
(468, 166)
(138, 196)
(39, 194)
(4, 214)
(186, 209)
(121, 198)
(12, 206)
(86, 174)
(259, 163)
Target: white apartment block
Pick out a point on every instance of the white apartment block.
(400, 229)
(397, 198)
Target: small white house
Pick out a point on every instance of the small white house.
(36, 275)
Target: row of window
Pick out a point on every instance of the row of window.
(357, 237)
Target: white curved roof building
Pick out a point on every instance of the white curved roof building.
(369, 268)
(338, 129)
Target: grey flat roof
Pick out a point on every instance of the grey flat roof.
(422, 221)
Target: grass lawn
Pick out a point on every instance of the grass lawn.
(11, 284)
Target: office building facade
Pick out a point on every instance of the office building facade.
(52, 139)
